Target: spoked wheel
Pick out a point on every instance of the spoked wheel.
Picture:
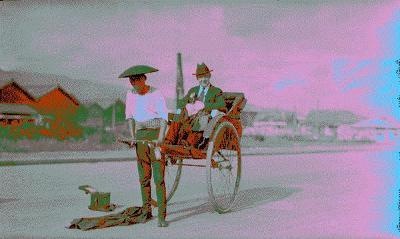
(223, 167)
(173, 170)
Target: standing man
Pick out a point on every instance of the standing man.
(201, 102)
(147, 114)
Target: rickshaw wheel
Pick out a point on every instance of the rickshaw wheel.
(172, 176)
(223, 167)
(173, 171)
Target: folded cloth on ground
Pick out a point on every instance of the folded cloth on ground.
(131, 215)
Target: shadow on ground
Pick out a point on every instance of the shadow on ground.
(5, 200)
(248, 198)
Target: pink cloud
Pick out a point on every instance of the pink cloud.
(298, 44)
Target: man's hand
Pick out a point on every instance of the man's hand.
(194, 108)
(133, 144)
(192, 98)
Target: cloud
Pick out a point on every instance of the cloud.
(279, 54)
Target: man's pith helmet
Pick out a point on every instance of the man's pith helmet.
(137, 70)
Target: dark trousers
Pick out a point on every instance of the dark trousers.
(181, 131)
(145, 163)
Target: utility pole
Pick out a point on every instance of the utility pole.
(180, 90)
(113, 117)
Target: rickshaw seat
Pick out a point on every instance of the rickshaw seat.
(234, 103)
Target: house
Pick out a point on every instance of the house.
(54, 107)
(17, 105)
(95, 116)
(100, 112)
(325, 123)
(45, 99)
(13, 93)
(247, 118)
(17, 114)
(58, 102)
(63, 107)
(379, 130)
(92, 114)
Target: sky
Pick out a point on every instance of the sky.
(294, 55)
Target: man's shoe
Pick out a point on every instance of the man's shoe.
(162, 223)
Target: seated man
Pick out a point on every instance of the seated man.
(194, 111)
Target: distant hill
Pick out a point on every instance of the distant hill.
(86, 92)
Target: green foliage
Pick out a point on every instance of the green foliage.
(7, 163)
(87, 131)
(119, 108)
(27, 130)
(119, 112)
(5, 132)
(82, 114)
(95, 111)
(107, 138)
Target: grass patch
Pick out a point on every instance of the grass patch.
(7, 163)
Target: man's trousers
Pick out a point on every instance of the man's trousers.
(146, 161)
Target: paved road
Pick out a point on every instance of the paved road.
(8, 158)
(335, 195)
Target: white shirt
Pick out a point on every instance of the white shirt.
(145, 107)
(205, 91)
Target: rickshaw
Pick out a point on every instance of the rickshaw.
(221, 157)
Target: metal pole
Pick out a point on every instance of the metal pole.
(180, 90)
(113, 117)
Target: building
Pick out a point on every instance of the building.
(248, 118)
(268, 128)
(94, 117)
(378, 130)
(53, 107)
(17, 114)
(58, 102)
(325, 123)
(13, 93)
